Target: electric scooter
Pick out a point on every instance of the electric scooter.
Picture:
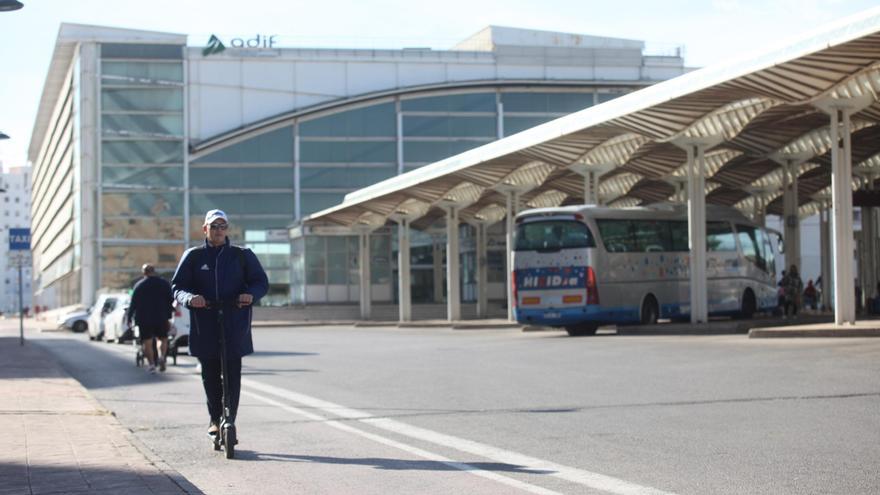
(225, 438)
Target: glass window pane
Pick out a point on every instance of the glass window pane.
(546, 102)
(377, 120)
(513, 125)
(142, 176)
(652, 236)
(720, 237)
(128, 257)
(272, 147)
(138, 50)
(142, 152)
(432, 151)
(474, 102)
(553, 236)
(141, 72)
(314, 201)
(617, 235)
(244, 203)
(159, 228)
(142, 99)
(450, 126)
(241, 177)
(679, 234)
(142, 204)
(348, 152)
(603, 97)
(344, 177)
(142, 125)
(380, 259)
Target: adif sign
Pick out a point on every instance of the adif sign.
(258, 41)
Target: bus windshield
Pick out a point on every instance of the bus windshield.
(553, 235)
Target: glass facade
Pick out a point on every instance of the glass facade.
(142, 155)
(144, 200)
(335, 153)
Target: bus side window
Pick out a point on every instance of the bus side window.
(617, 235)
(679, 235)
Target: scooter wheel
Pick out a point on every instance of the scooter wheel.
(229, 441)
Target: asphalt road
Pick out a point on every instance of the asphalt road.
(339, 410)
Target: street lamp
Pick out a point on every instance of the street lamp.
(9, 5)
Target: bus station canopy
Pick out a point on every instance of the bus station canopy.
(755, 116)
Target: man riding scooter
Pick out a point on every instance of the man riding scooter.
(208, 275)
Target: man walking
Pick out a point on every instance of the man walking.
(218, 272)
(151, 307)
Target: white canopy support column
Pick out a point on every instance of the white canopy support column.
(437, 267)
(760, 198)
(404, 290)
(364, 225)
(825, 253)
(521, 180)
(697, 234)
(406, 212)
(591, 172)
(481, 221)
(868, 251)
(511, 198)
(695, 148)
(453, 268)
(791, 166)
(452, 202)
(364, 268)
(841, 109)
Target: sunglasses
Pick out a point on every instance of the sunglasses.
(219, 226)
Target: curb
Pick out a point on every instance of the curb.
(775, 333)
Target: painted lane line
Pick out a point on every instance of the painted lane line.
(406, 448)
(583, 477)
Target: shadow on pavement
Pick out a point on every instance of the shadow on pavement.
(392, 464)
(24, 361)
(60, 478)
(96, 368)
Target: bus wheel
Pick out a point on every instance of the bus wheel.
(582, 329)
(650, 311)
(749, 305)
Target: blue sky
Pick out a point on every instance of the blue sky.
(709, 30)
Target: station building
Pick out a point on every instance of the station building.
(138, 134)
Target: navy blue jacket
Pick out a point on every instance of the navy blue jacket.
(150, 302)
(217, 274)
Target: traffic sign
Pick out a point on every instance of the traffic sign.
(19, 239)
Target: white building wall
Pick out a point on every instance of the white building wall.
(15, 210)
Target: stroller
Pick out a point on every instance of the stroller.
(136, 341)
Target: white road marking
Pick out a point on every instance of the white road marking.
(406, 448)
(583, 477)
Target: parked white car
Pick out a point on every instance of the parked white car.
(179, 335)
(115, 328)
(76, 320)
(104, 305)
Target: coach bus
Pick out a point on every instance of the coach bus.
(580, 267)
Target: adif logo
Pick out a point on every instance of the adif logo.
(214, 46)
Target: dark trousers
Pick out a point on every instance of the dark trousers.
(213, 383)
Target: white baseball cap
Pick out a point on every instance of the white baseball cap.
(214, 215)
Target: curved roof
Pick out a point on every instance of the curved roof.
(753, 113)
(231, 137)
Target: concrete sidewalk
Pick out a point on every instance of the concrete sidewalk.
(58, 439)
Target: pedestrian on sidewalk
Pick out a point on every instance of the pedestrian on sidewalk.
(218, 271)
(151, 309)
(793, 287)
